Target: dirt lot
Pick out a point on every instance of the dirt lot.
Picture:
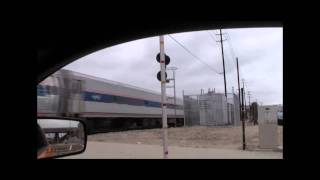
(108, 150)
(197, 137)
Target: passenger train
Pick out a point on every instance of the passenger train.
(103, 104)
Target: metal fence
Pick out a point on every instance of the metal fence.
(191, 110)
(211, 109)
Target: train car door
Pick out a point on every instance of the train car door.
(77, 102)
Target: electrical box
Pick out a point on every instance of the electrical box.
(268, 127)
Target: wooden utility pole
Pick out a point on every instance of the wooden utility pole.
(224, 71)
(239, 86)
(244, 96)
(243, 124)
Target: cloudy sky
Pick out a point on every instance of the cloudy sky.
(259, 51)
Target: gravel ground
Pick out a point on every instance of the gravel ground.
(229, 137)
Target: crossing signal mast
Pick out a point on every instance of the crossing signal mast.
(164, 60)
(173, 69)
(167, 61)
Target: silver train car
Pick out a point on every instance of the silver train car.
(103, 103)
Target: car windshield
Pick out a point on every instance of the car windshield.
(183, 95)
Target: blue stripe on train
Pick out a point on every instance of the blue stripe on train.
(97, 97)
(41, 90)
(89, 96)
(105, 98)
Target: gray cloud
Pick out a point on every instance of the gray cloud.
(259, 52)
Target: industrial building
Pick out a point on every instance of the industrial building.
(211, 109)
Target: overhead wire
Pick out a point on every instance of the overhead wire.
(216, 43)
(193, 55)
(231, 49)
(229, 55)
(227, 58)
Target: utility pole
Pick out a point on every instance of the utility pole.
(224, 71)
(243, 123)
(163, 98)
(184, 111)
(250, 112)
(244, 94)
(241, 109)
(175, 103)
(239, 86)
(249, 97)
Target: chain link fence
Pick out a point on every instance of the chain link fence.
(211, 109)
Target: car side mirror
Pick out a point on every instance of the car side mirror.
(61, 137)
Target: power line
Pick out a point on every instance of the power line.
(230, 40)
(246, 84)
(231, 48)
(228, 64)
(230, 45)
(231, 51)
(196, 57)
(229, 67)
(213, 38)
(230, 56)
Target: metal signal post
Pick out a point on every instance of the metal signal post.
(163, 99)
(173, 69)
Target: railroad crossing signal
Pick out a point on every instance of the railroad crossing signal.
(167, 61)
(159, 76)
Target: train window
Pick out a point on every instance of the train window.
(54, 90)
(91, 96)
(130, 101)
(49, 91)
(76, 86)
(108, 98)
(138, 102)
(46, 90)
(153, 104)
(40, 90)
